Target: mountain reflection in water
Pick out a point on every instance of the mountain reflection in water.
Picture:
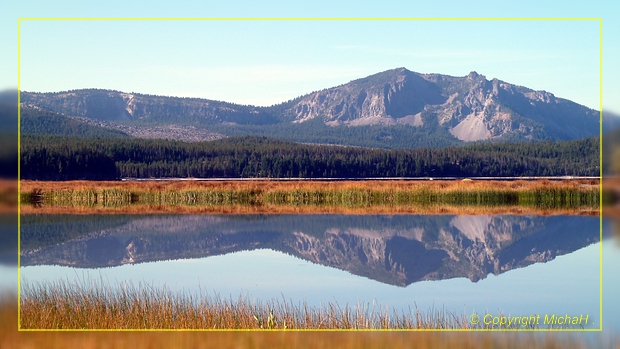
(397, 250)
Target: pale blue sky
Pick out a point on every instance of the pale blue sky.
(266, 62)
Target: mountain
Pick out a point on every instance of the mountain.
(393, 109)
(472, 108)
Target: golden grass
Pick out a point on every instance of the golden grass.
(350, 197)
(97, 305)
(94, 305)
(266, 185)
(10, 338)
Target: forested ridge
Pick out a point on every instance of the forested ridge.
(65, 158)
(42, 122)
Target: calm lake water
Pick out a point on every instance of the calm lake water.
(502, 265)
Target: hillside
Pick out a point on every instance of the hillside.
(393, 109)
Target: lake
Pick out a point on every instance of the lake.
(496, 264)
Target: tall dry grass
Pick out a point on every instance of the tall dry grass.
(11, 338)
(313, 196)
(274, 185)
(97, 305)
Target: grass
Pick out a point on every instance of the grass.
(97, 305)
(11, 338)
(313, 196)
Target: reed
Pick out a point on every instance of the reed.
(11, 338)
(364, 194)
(98, 305)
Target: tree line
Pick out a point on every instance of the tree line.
(65, 158)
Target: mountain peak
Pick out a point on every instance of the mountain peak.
(473, 75)
(402, 70)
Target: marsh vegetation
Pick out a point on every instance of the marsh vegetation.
(99, 305)
(315, 196)
(11, 338)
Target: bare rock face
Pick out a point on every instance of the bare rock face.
(389, 98)
(474, 111)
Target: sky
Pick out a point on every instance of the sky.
(268, 62)
(264, 62)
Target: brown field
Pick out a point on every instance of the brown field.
(266, 188)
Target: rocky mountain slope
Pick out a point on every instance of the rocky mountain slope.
(458, 109)
(472, 108)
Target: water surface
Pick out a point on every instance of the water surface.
(518, 265)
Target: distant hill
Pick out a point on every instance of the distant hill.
(108, 105)
(394, 109)
(36, 121)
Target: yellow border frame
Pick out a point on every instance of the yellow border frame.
(600, 20)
